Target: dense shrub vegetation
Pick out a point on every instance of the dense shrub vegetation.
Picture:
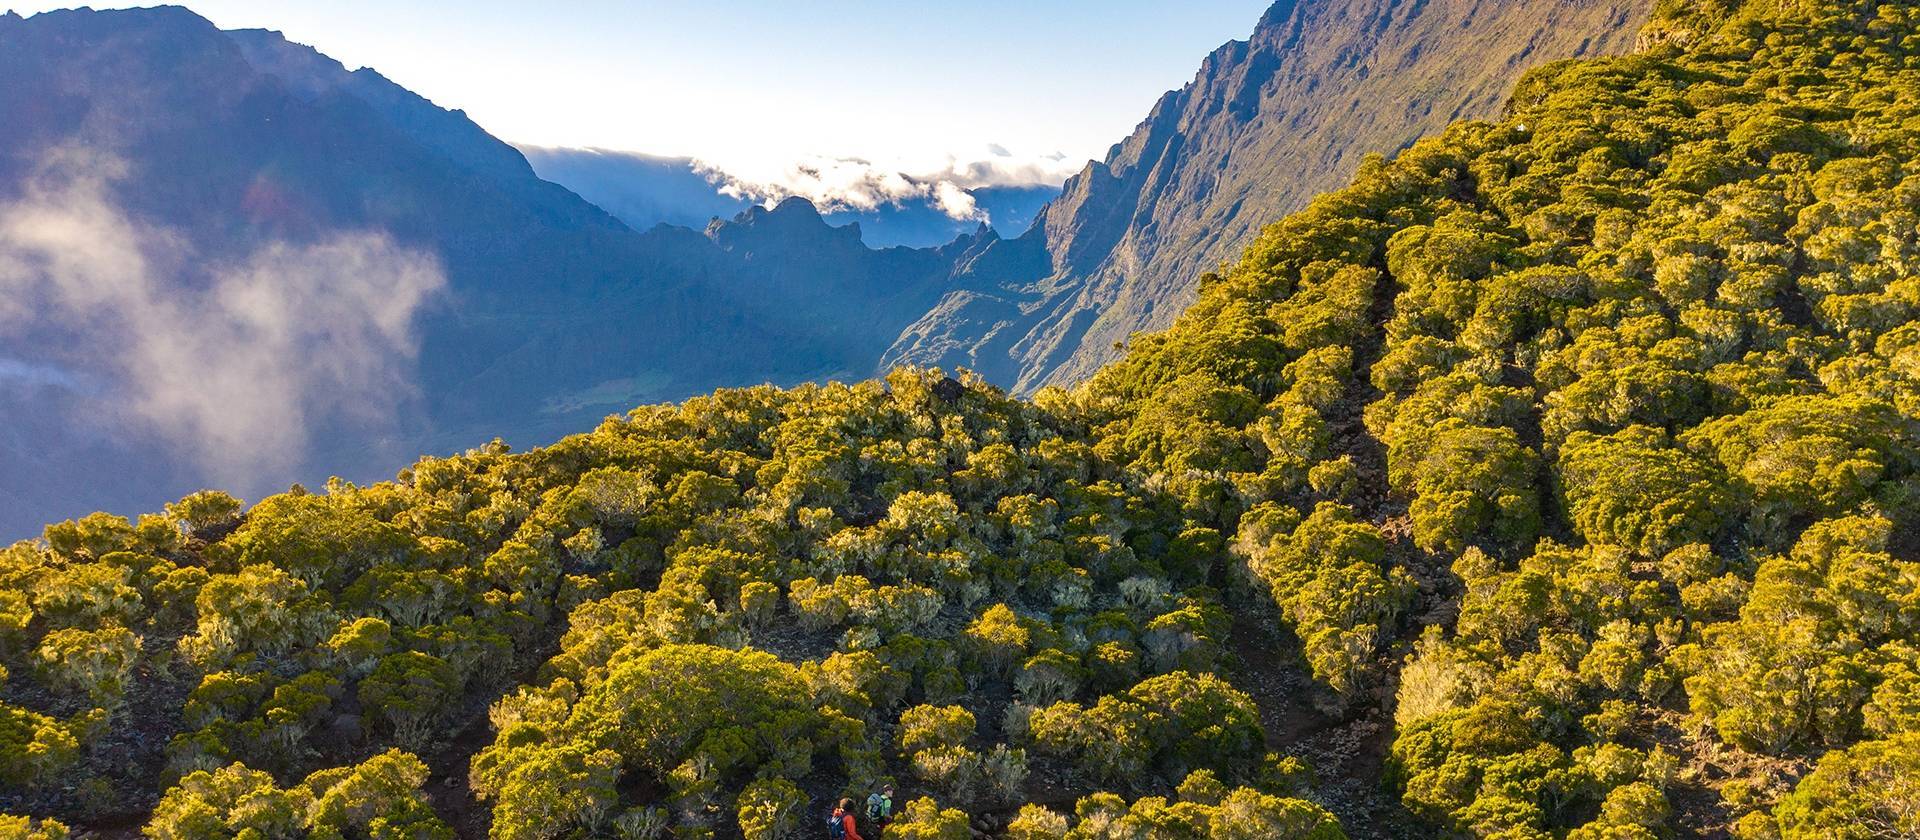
(1577, 454)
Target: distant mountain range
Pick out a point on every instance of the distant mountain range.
(646, 190)
(225, 258)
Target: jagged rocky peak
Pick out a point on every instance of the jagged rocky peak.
(793, 218)
(304, 69)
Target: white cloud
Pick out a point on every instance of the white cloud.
(851, 183)
(955, 201)
(231, 365)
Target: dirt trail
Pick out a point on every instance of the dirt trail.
(1349, 751)
(1347, 754)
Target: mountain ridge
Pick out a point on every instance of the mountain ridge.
(1131, 235)
(552, 313)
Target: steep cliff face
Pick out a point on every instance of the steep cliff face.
(1266, 124)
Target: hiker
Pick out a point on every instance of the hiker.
(840, 824)
(880, 808)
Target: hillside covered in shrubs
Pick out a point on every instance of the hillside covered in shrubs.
(1558, 478)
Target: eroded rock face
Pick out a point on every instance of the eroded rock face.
(1266, 124)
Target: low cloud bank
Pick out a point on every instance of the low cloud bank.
(856, 184)
(231, 365)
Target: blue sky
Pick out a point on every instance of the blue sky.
(755, 86)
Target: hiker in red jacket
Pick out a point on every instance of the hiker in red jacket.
(840, 826)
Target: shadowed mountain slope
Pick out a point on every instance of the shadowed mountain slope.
(238, 196)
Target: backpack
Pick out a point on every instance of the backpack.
(836, 828)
